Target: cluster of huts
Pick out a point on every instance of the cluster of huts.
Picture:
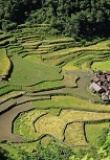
(101, 84)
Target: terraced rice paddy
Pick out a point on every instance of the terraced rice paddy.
(101, 65)
(46, 94)
(5, 63)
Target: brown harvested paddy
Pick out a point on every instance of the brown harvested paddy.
(27, 119)
(74, 134)
(51, 125)
(59, 126)
(33, 58)
(71, 115)
(94, 131)
(7, 119)
(70, 80)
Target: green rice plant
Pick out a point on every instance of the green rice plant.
(94, 131)
(70, 102)
(36, 58)
(70, 80)
(58, 41)
(98, 47)
(7, 41)
(4, 37)
(55, 112)
(45, 86)
(14, 50)
(102, 65)
(82, 60)
(28, 131)
(8, 89)
(5, 64)
(10, 95)
(28, 73)
(3, 84)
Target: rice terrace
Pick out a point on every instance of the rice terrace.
(44, 88)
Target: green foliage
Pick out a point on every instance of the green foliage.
(51, 151)
(4, 155)
(56, 151)
(79, 19)
(27, 73)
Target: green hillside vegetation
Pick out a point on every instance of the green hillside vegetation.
(78, 19)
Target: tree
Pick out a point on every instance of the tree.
(51, 151)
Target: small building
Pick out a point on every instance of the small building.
(101, 84)
(102, 78)
(96, 88)
(96, 79)
(104, 97)
(108, 78)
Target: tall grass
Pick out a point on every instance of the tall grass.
(5, 64)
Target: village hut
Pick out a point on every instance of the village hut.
(96, 88)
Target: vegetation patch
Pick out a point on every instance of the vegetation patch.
(50, 76)
(28, 131)
(26, 73)
(50, 125)
(94, 131)
(70, 80)
(10, 95)
(5, 64)
(68, 123)
(101, 65)
(45, 86)
(71, 102)
(8, 89)
(74, 134)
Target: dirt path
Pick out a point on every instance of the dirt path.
(6, 105)
(6, 122)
